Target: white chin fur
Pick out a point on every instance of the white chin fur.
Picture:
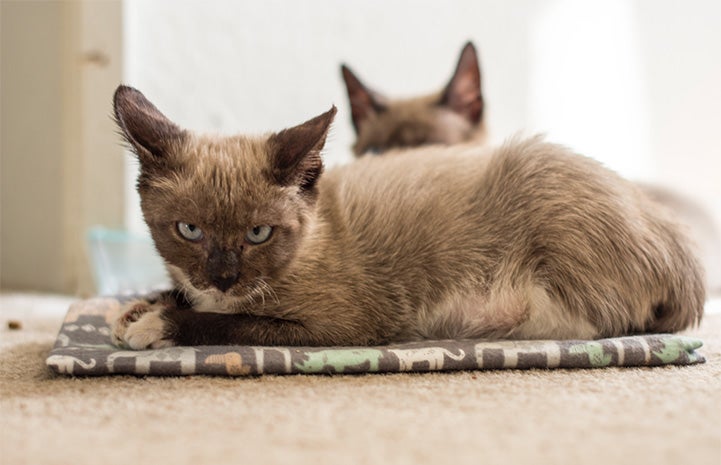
(214, 301)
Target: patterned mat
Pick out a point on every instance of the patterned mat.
(83, 348)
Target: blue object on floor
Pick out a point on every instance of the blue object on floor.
(123, 262)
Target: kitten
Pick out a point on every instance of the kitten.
(525, 241)
(455, 114)
(384, 124)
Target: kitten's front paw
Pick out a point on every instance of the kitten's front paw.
(141, 326)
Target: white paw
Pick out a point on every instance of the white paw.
(140, 326)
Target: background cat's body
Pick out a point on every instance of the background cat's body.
(525, 241)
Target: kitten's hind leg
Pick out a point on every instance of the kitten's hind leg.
(547, 318)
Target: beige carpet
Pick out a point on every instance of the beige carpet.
(666, 415)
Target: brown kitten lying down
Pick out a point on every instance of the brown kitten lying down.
(525, 241)
(456, 115)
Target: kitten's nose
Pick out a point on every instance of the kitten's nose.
(224, 282)
(222, 268)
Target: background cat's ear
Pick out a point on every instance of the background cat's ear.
(463, 93)
(150, 134)
(295, 152)
(363, 101)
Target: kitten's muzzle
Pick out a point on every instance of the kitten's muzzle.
(222, 268)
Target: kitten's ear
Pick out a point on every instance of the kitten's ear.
(363, 101)
(150, 134)
(295, 152)
(463, 93)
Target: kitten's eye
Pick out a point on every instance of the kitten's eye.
(190, 231)
(259, 234)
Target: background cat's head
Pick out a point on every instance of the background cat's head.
(453, 115)
(226, 213)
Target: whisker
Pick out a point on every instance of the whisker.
(262, 289)
(271, 291)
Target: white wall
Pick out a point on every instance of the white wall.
(633, 83)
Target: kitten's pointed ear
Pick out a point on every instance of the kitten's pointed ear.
(150, 134)
(363, 101)
(295, 152)
(463, 93)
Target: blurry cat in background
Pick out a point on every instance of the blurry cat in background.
(451, 116)
(456, 115)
